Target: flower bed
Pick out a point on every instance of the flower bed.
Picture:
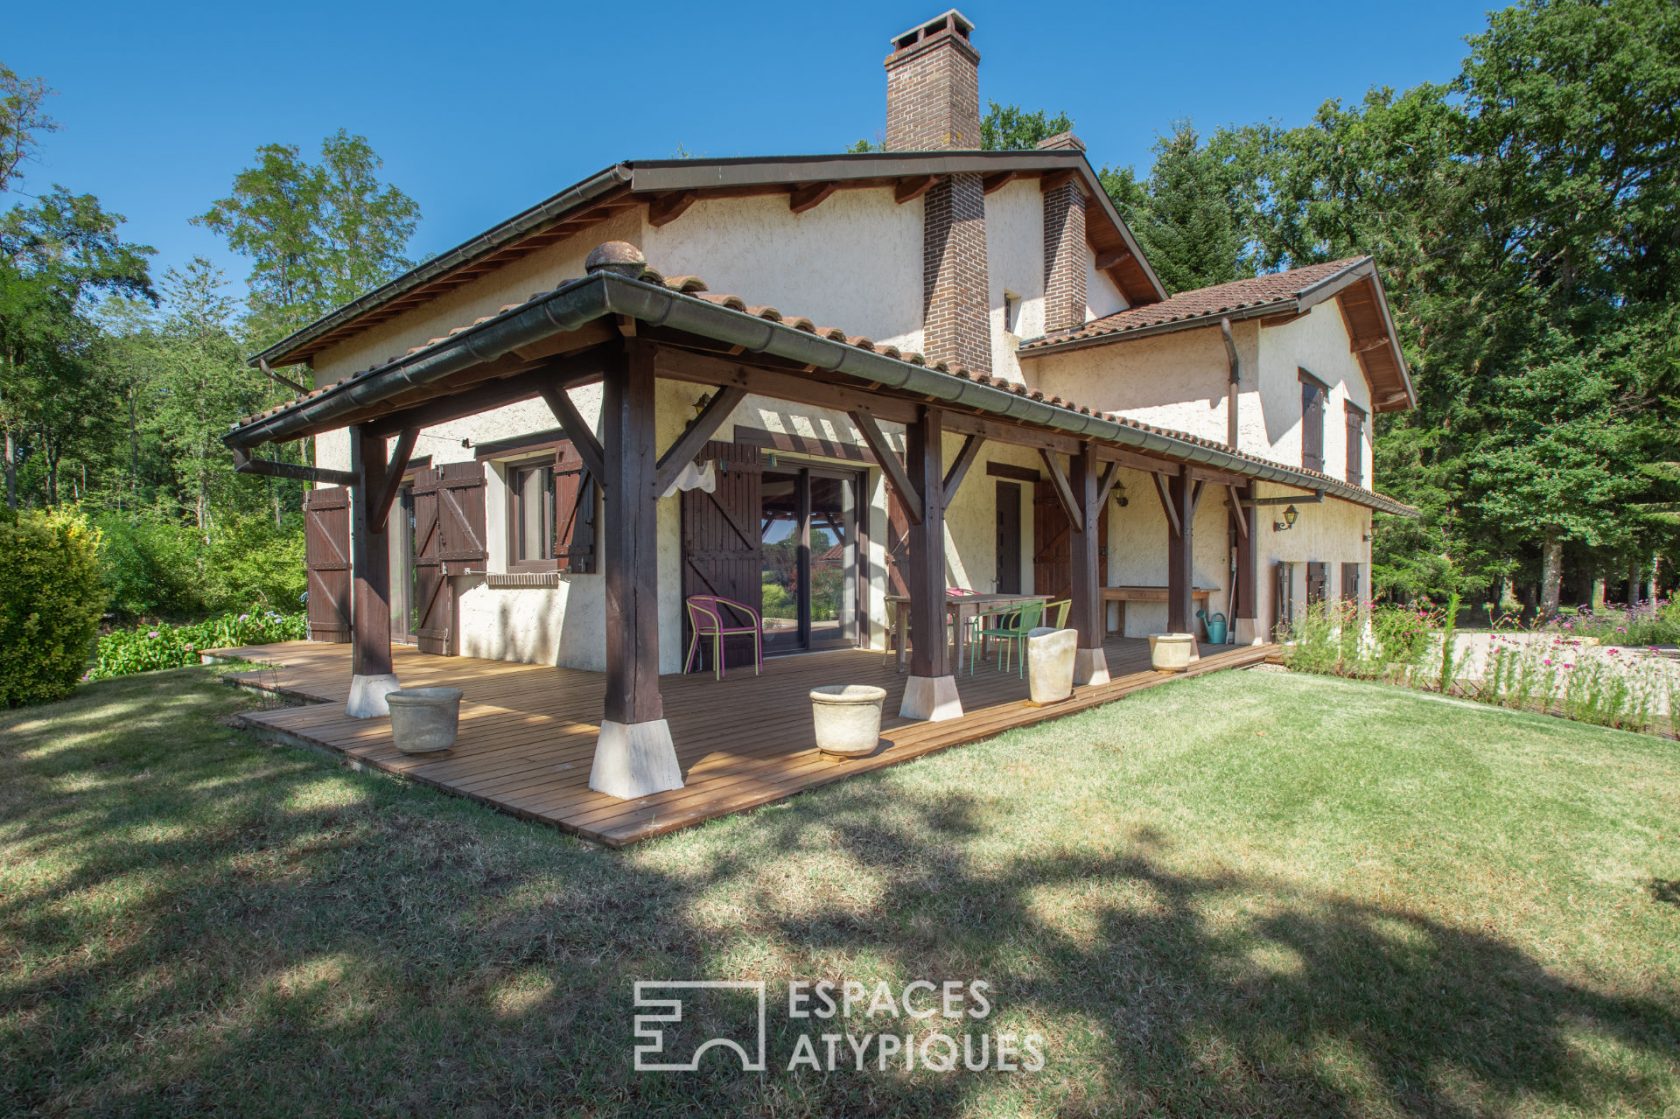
(124, 652)
(1549, 669)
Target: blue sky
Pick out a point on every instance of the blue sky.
(481, 110)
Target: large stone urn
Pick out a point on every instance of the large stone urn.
(424, 720)
(1172, 652)
(847, 718)
(1050, 656)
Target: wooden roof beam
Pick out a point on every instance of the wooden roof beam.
(667, 208)
(810, 196)
(908, 190)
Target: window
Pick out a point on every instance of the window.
(1355, 445)
(1011, 312)
(531, 516)
(1318, 581)
(1312, 421)
(1350, 583)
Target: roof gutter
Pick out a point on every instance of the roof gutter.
(569, 307)
(1213, 318)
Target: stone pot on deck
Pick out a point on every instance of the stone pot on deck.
(1050, 656)
(1172, 652)
(847, 718)
(424, 720)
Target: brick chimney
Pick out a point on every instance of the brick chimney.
(933, 104)
(1064, 241)
(933, 88)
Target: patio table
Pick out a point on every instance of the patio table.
(959, 608)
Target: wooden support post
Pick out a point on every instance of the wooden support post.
(634, 756)
(931, 691)
(1180, 551)
(1090, 664)
(371, 677)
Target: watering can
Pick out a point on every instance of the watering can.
(1216, 626)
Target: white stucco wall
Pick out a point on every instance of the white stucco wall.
(1015, 263)
(1318, 343)
(1334, 532)
(1176, 381)
(1137, 550)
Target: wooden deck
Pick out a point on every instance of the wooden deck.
(528, 731)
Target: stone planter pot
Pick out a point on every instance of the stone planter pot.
(848, 719)
(1050, 656)
(424, 720)
(1171, 652)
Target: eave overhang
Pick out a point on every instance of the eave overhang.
(575, 305)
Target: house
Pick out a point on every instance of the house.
(939, 366)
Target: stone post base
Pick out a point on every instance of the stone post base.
(367, 696)
(932, 698)
(635, 760)
(1090, 666)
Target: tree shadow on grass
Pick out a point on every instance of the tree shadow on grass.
(264, 944)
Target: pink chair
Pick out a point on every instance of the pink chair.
(710, 616)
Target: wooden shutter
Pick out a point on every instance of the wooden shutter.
(1312, 422)
(1350, 583)
(1053, 544)
(460, 498)
(326, 550)
(434, 595)
(721, 538)
(574, 513)
(1318, 581)
(1355, 446)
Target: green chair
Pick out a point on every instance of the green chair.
(1011, 635)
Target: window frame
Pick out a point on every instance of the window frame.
(514, 471)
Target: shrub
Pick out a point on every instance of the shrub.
(150, 566)
(51, 600)
(144, 648)
(253, 562)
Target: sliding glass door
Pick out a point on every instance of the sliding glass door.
(809, 526)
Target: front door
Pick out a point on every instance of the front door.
(809, 555)
(1008, 538)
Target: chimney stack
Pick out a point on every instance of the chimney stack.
(1064, 241)
(933, 104)
(933, 88)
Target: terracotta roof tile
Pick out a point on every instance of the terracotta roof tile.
(1200, 303)
(693, 288)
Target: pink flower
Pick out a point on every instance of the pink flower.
(154, 633)
(1547, 662)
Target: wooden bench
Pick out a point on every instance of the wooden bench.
(1119, 596)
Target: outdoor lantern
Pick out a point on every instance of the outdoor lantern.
(700, 405)
(1290, 513)
(1120, 498)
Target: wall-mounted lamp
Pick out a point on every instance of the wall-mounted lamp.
(1120, 498)
(1290, 513)
(700, 405)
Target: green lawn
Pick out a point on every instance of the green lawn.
(1250, 893)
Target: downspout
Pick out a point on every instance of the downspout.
(1236, 379)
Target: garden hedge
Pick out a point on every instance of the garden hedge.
(51, 600)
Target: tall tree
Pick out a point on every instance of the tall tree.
(22, 121)
(1186, 216)
(1012, 128)
(56, 257)
(317, 234)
